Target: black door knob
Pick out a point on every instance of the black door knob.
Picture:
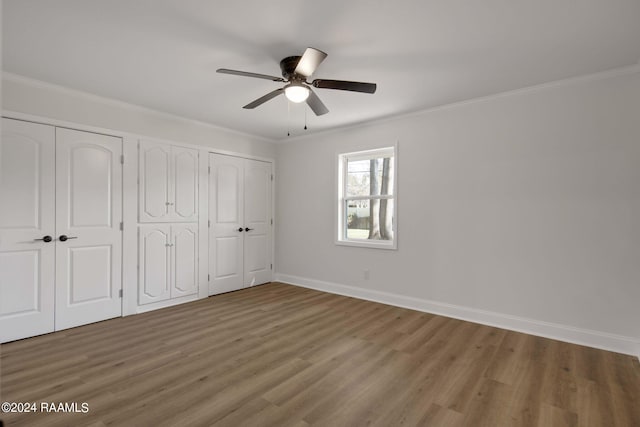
(248, 229)
(46, 239)
(240, 229)
(64, 238)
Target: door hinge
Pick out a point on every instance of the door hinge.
(208, 277)
(209, 223)
(209, 170)
(121, 226)
(271, 267)
(122, 159)
(271, 221)
(271, 177)
(120, 293)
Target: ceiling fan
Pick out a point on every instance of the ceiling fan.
(296, 70)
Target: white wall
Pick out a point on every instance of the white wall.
(50, 101)
(525, 204)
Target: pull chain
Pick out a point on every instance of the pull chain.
(288, 118)
(305, 117)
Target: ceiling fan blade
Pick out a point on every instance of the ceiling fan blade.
(315, 104)
(309, 61)
(264, 99)
(345, 85)
(247, 74)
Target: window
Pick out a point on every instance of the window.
(367, 198)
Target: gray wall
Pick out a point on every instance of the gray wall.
(526, 204)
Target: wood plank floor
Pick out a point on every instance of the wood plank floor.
(279, 355)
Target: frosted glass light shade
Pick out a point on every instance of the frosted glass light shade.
(296, 93)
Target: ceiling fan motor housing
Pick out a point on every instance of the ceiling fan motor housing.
(288, 66)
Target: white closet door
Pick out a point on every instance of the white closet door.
(27, 206)
(155, 165)
(183, 196)
(257, 221)
(88, 213)
(154, 264)
(184, 259)
(226, 213)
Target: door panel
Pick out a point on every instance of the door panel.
(257, 241)
(27, 266)
(154, 263)
(22, 155)
(226, 254)
(90, 180)
(154, 181)
(257, 192)
(227, 217)
(185, 259)
(90, 278)
(228, 187)
(20, 267)
(256, 259)
(185, 178)
(89, 210)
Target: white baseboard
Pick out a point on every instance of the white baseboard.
(590, 338)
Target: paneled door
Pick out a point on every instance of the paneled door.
(226, 213)
(184, 251)
(240, 235)
(168, 264)
(27, 229)
(155, 162)
(89, 239)
(257, 221)
(154, 264)
(184, 177)
(168, 183)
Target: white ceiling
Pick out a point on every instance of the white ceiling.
(163, 54)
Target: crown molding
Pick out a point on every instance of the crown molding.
(585, 78)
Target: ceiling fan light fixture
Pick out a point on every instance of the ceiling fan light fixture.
(296, 92)
(295, 72)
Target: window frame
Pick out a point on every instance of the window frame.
(341, 198)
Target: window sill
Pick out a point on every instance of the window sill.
(369, 244)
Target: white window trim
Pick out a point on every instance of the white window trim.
(340, 172)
